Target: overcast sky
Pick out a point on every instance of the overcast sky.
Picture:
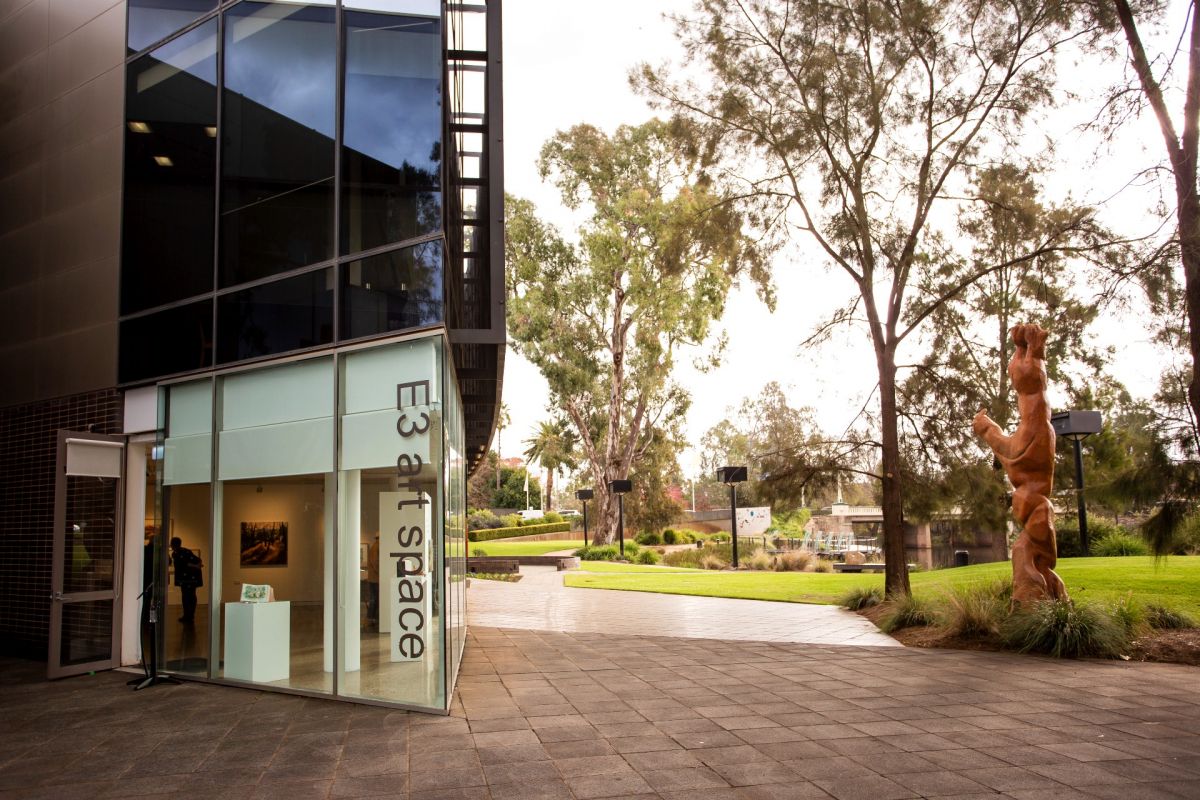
(566, 63)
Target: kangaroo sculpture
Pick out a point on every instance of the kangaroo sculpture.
(1028, 458)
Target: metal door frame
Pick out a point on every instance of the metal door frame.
(54, 669)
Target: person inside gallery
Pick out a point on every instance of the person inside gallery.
(373, 583)
(189, 576)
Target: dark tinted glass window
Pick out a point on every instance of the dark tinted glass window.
(153, 20)
(288, 314)
(277, 139)
(170, 172)
(393, 291)
(392, 144)
(176, 340)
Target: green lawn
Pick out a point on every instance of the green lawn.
(1173, 582)
(515, 547)
(609, 567)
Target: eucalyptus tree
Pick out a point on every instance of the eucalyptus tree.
(966, 366)
(604, 316)
(1181, 140)
(863, 118)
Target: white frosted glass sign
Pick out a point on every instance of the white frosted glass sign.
(406, 597)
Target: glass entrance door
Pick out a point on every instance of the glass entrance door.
(85, 582)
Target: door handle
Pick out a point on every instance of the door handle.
(56, 596)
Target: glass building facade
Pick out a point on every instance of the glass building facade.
(305, 278)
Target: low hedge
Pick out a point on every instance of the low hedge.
(525, 530)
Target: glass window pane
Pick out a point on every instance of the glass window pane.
(391, 155)
(277, 421)
(185, 623)
(90, 508)
(275, 532)
(187, 449)
(167, 342)
(392, 560)
(428, 8)
(290, 314)
(87, 630)
(170, 171)
(277, 143)
(393, 291)
(153, 20)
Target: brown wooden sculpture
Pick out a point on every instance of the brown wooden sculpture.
(1028, 458)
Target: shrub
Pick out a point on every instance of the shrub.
(1120, 544)
(648, 538)
(511, 520)
(1165, 618)
(647, 557)
(528, 530)
(478, 551)
(710, 561)
(861, 597)
(906, 612)
(1064, 629)
(759, 560)
(631, 549)
(686, 537)
(593, 553)
(975, 609)
(795, 561)
(552, 516)
(670, 537)
(821, 565)
(483, 520)
(720, 538)
(1129, 615)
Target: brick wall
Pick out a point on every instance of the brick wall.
(28, 437)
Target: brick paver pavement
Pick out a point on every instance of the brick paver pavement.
(583, 715)
(541, 602)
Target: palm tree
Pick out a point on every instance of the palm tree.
(501, 423)
(554, 447)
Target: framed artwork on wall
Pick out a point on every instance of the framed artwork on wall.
(264, 544)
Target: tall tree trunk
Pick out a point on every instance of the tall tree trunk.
(1189, 246)
(605, 531)
(896, 570)
(549, 493)
(1182, 152)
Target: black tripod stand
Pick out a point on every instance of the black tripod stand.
(151, 666)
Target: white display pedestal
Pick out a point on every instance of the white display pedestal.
(258, 641)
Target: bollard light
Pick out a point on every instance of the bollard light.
(619, 488)
(733, 476)
(1077, 426)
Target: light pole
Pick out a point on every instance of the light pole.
(619, 488)
(584, 495)
(732, 476)
(1077, 426)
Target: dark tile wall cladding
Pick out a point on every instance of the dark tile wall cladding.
(28, 436)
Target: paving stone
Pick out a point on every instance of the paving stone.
(755, 773)
(589, 786)
(866, 788)
(668, 780)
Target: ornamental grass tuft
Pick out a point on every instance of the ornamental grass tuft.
(1064, 629)
(906, 612)
(861, 597)
(1164, 618)
(975, 609)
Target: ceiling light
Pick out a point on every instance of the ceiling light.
(164, 161)
(211, 130)
(138, 127)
